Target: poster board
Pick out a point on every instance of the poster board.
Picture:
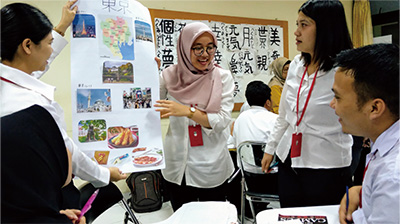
(114, 85)
(247, 61)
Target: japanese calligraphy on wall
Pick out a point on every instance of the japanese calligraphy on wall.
(244, 49)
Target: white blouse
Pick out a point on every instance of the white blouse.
(29, 91)
(324, 145)
(204, 166)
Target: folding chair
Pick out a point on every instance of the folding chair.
(107, 197)
(257, 186)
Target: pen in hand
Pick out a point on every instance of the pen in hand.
(88, 204)
(347, 203)
(271, 168)
(347, 198)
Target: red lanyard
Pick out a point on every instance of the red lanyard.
(6, 80)
(365, 170)
(308, 97)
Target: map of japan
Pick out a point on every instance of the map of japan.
(117, 37)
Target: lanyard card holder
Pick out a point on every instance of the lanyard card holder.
(195, 135)
(295, 150)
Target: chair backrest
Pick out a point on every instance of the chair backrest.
(250, 156)
(107, 197)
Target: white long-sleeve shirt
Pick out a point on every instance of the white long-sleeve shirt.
(381, 185)
(254, 124)
(324, 145)
(26, 90)
(204, 166)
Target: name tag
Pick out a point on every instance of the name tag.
(295, 150)
(195, 135)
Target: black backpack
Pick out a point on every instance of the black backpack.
(145, 191)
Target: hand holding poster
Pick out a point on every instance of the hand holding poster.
(114, 82)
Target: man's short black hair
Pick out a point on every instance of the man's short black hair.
(375, 69)
(257, 93)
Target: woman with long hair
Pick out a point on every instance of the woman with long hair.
(314, 153)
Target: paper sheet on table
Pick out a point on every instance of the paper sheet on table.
(204, 212)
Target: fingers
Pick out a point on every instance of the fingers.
(158, 60)
(75, 9)
(266, 162)
(165, 115)
(342, 211)
(116, 174)
(67, 16)
(72, 214)
(82, 220)
(345, 214)
(69, 4)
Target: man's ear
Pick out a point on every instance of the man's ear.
(268, 105)
(377, 108)
(27, 46)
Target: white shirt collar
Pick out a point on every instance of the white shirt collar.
(387, 139)
(257, 107)
(27, 81)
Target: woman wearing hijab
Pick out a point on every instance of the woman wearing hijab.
(199, 105)
(279, 68)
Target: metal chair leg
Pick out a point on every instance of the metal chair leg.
(253, 213)
(242, 203)
(128, 209)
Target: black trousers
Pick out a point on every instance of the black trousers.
(181, 194)
(300, 187)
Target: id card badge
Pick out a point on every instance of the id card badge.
(295, 150)
(195, 135)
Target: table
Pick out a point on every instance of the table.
(204, 212)
(271, 216)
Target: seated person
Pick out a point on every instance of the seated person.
(35, 166)
(256, 123)
(366, 99)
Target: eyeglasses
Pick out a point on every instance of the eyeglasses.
(198, 51)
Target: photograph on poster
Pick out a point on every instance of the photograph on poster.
(92, 130)
(137, 98)
(93, 100)
(117, 39)
(117, 72)
(101, 157)
(143, 31)
(144, 157)
(84, 26)
(120, 159)
(123, 137)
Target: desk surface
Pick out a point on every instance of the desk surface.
(204, 212)
(271, 216)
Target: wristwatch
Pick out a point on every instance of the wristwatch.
(192, 110)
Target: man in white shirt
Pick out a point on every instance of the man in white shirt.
(366, 89)
(19, 91)
(256, 123)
